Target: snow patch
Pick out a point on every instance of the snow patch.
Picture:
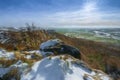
(20, 65)
(50, 43)
(6, 55)
(55, 68)
(4, 71)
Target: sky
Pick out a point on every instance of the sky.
(60, 13)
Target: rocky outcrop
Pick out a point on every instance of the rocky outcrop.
(63, 67)
(58, 47)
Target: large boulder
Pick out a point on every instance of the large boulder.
(57, 47)
(67, 49)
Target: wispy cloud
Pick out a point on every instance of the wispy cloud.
(89, 14)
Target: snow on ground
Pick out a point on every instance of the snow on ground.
(19, 65)
(9, 56)
(33, 51)
(6, 55)
(55, 68)
(44, 54)
(4, 71)
(28, 56)
(31, 54)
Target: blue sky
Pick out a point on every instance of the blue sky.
(60, 13)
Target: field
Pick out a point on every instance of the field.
(109, 35)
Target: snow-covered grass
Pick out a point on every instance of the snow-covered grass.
(55, 68)
(9, 58)
(13, 71)
(34, 54)
(4, 71)
(6, 55)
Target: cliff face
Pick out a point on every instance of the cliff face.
(96, 55)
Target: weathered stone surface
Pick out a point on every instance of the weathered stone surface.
(58, 47)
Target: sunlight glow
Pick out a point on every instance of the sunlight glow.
(89, 7)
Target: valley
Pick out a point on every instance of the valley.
(107, 35)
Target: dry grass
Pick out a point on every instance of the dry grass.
(96, 76)
(7, 63)
(20, 56)
(25, 40)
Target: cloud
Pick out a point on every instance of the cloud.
(88, 15)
